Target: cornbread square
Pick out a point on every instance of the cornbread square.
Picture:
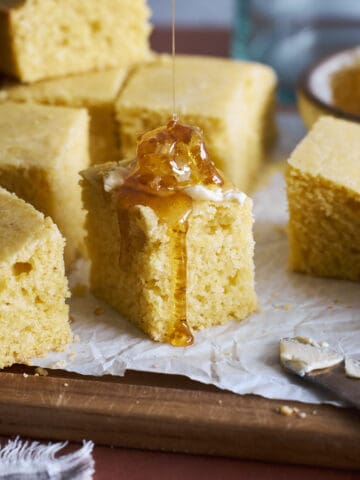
(232, 102)
(219, 250)
(33, 286)
(43, 39)
(323, 189)
(42, 149)
(95, 91)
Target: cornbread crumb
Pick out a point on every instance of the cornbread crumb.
(66, 384)
(42, 39)
(287, 306)
(41, 371)
(76, 339)
(33, 281)
(323, 189)
(286, 410)
(25, 375)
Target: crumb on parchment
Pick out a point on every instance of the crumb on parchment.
(59, 364)
(79, 290)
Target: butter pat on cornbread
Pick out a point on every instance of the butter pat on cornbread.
(96, 91)
(33, 286)
(43, 39)
(232, 102)
(323, 188)
(42, 149)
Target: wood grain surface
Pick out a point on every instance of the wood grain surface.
(172, 413)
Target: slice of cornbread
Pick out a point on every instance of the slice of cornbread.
(323, 188)
(33, 286)
(42, 39)
(219, 250)
(95, 91)
(42, 149)
(232, 102)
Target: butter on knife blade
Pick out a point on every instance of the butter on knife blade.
(319, 364)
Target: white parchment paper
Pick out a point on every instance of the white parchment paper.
(240, 356)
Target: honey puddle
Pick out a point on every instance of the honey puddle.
(169, 159)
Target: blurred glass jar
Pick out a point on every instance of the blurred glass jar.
(290, 35)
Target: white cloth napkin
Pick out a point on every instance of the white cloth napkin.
(24, 460)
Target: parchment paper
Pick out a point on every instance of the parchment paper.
(240, 356)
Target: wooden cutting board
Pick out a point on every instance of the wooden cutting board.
(173, 413)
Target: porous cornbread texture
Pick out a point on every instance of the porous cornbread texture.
(232, 102)
(42, 149)
(43, 39)
(95, 91)
(33, 286)
(323, 188)
(219, 248)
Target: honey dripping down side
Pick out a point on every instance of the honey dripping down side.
(169, 159)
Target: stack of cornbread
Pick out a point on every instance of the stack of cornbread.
(79, 86)
(63, 65)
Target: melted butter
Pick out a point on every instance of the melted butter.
(169, 160)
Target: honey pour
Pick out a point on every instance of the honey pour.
(169, 160)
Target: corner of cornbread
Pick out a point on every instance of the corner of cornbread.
(220, 269)
(323, 189)
(33, 286)
(232, 102)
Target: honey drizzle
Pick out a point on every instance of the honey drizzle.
(169, 159)
(173, 211)
(175, 116)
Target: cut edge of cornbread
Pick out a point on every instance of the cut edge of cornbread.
(324, 226)
(33, 286)
(145, 293)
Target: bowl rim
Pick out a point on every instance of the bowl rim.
(304, 88)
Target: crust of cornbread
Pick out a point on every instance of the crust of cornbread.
(96, 91)
(42, 39)
(42, 149)
(232, 102)
(33, 286)
(323, 188)
(220, 269)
